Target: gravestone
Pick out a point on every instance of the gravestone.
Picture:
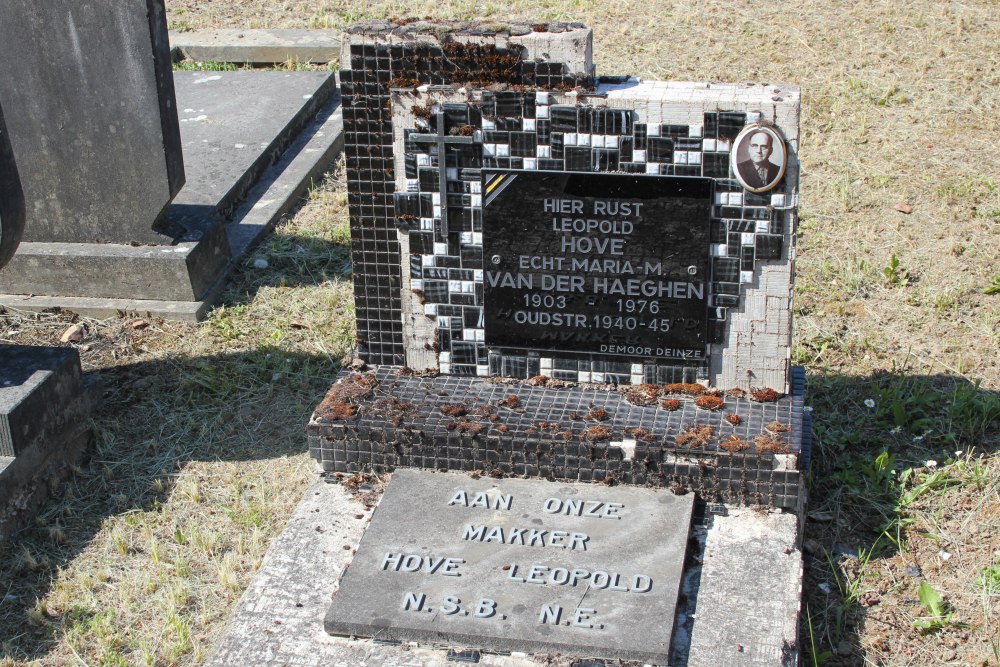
(89, 99)
(574, 279)
(99, 132)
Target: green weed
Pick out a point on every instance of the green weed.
(204, 66)
(989, 579)
(816, 657)
(971, 189)
(881, 95)
(937, 614)
(894, 273)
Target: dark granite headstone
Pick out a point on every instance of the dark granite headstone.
(88, 94)
(518, 565)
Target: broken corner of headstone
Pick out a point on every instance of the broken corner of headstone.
(144, 186)
(577, 279)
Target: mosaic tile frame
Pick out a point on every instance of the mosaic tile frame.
(419, 295)
(374, 57)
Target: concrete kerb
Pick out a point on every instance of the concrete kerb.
(257, 47)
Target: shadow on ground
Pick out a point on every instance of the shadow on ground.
(157, 418)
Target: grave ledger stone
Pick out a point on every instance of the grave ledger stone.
(99, 133)
(517, 565)
(563, 277)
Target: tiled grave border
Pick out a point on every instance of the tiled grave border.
(384, 59)
(457, 423)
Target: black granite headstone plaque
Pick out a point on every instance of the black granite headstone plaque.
(597, 263)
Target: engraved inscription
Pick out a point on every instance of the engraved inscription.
(603, 263)
(517, 563)
(537, 574)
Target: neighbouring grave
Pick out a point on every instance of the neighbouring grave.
(44, 400)
(567, 278)
(99, 124)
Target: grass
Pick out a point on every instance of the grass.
(198, 459)
(199, 452)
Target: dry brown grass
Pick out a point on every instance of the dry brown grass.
(199, 454)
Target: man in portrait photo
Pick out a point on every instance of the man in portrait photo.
(759, 171)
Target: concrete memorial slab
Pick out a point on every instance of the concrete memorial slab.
(516, 565)
(745, 559)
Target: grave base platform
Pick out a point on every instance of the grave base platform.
(744, 452)
(740, 559)
(45, 405)
(253, 143)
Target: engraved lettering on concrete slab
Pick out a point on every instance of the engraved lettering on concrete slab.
(601, 263)
(518, 565)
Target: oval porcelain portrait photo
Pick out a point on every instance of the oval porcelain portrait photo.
(758, 158)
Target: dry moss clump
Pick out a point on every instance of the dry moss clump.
(340, 402)
(771, 443)
(597, 415)
(764, 395)
(641, 394)
(595, 433)
(686, 388)
(709, 402)
(671, 404)
(694, 436)
(734, 444)
(642, 434)
(511, 401)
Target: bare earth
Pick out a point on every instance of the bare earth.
(200, 455)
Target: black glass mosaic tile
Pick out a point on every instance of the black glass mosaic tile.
(715, 165)
(660, 149)
(769, 246)
(563, 118)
